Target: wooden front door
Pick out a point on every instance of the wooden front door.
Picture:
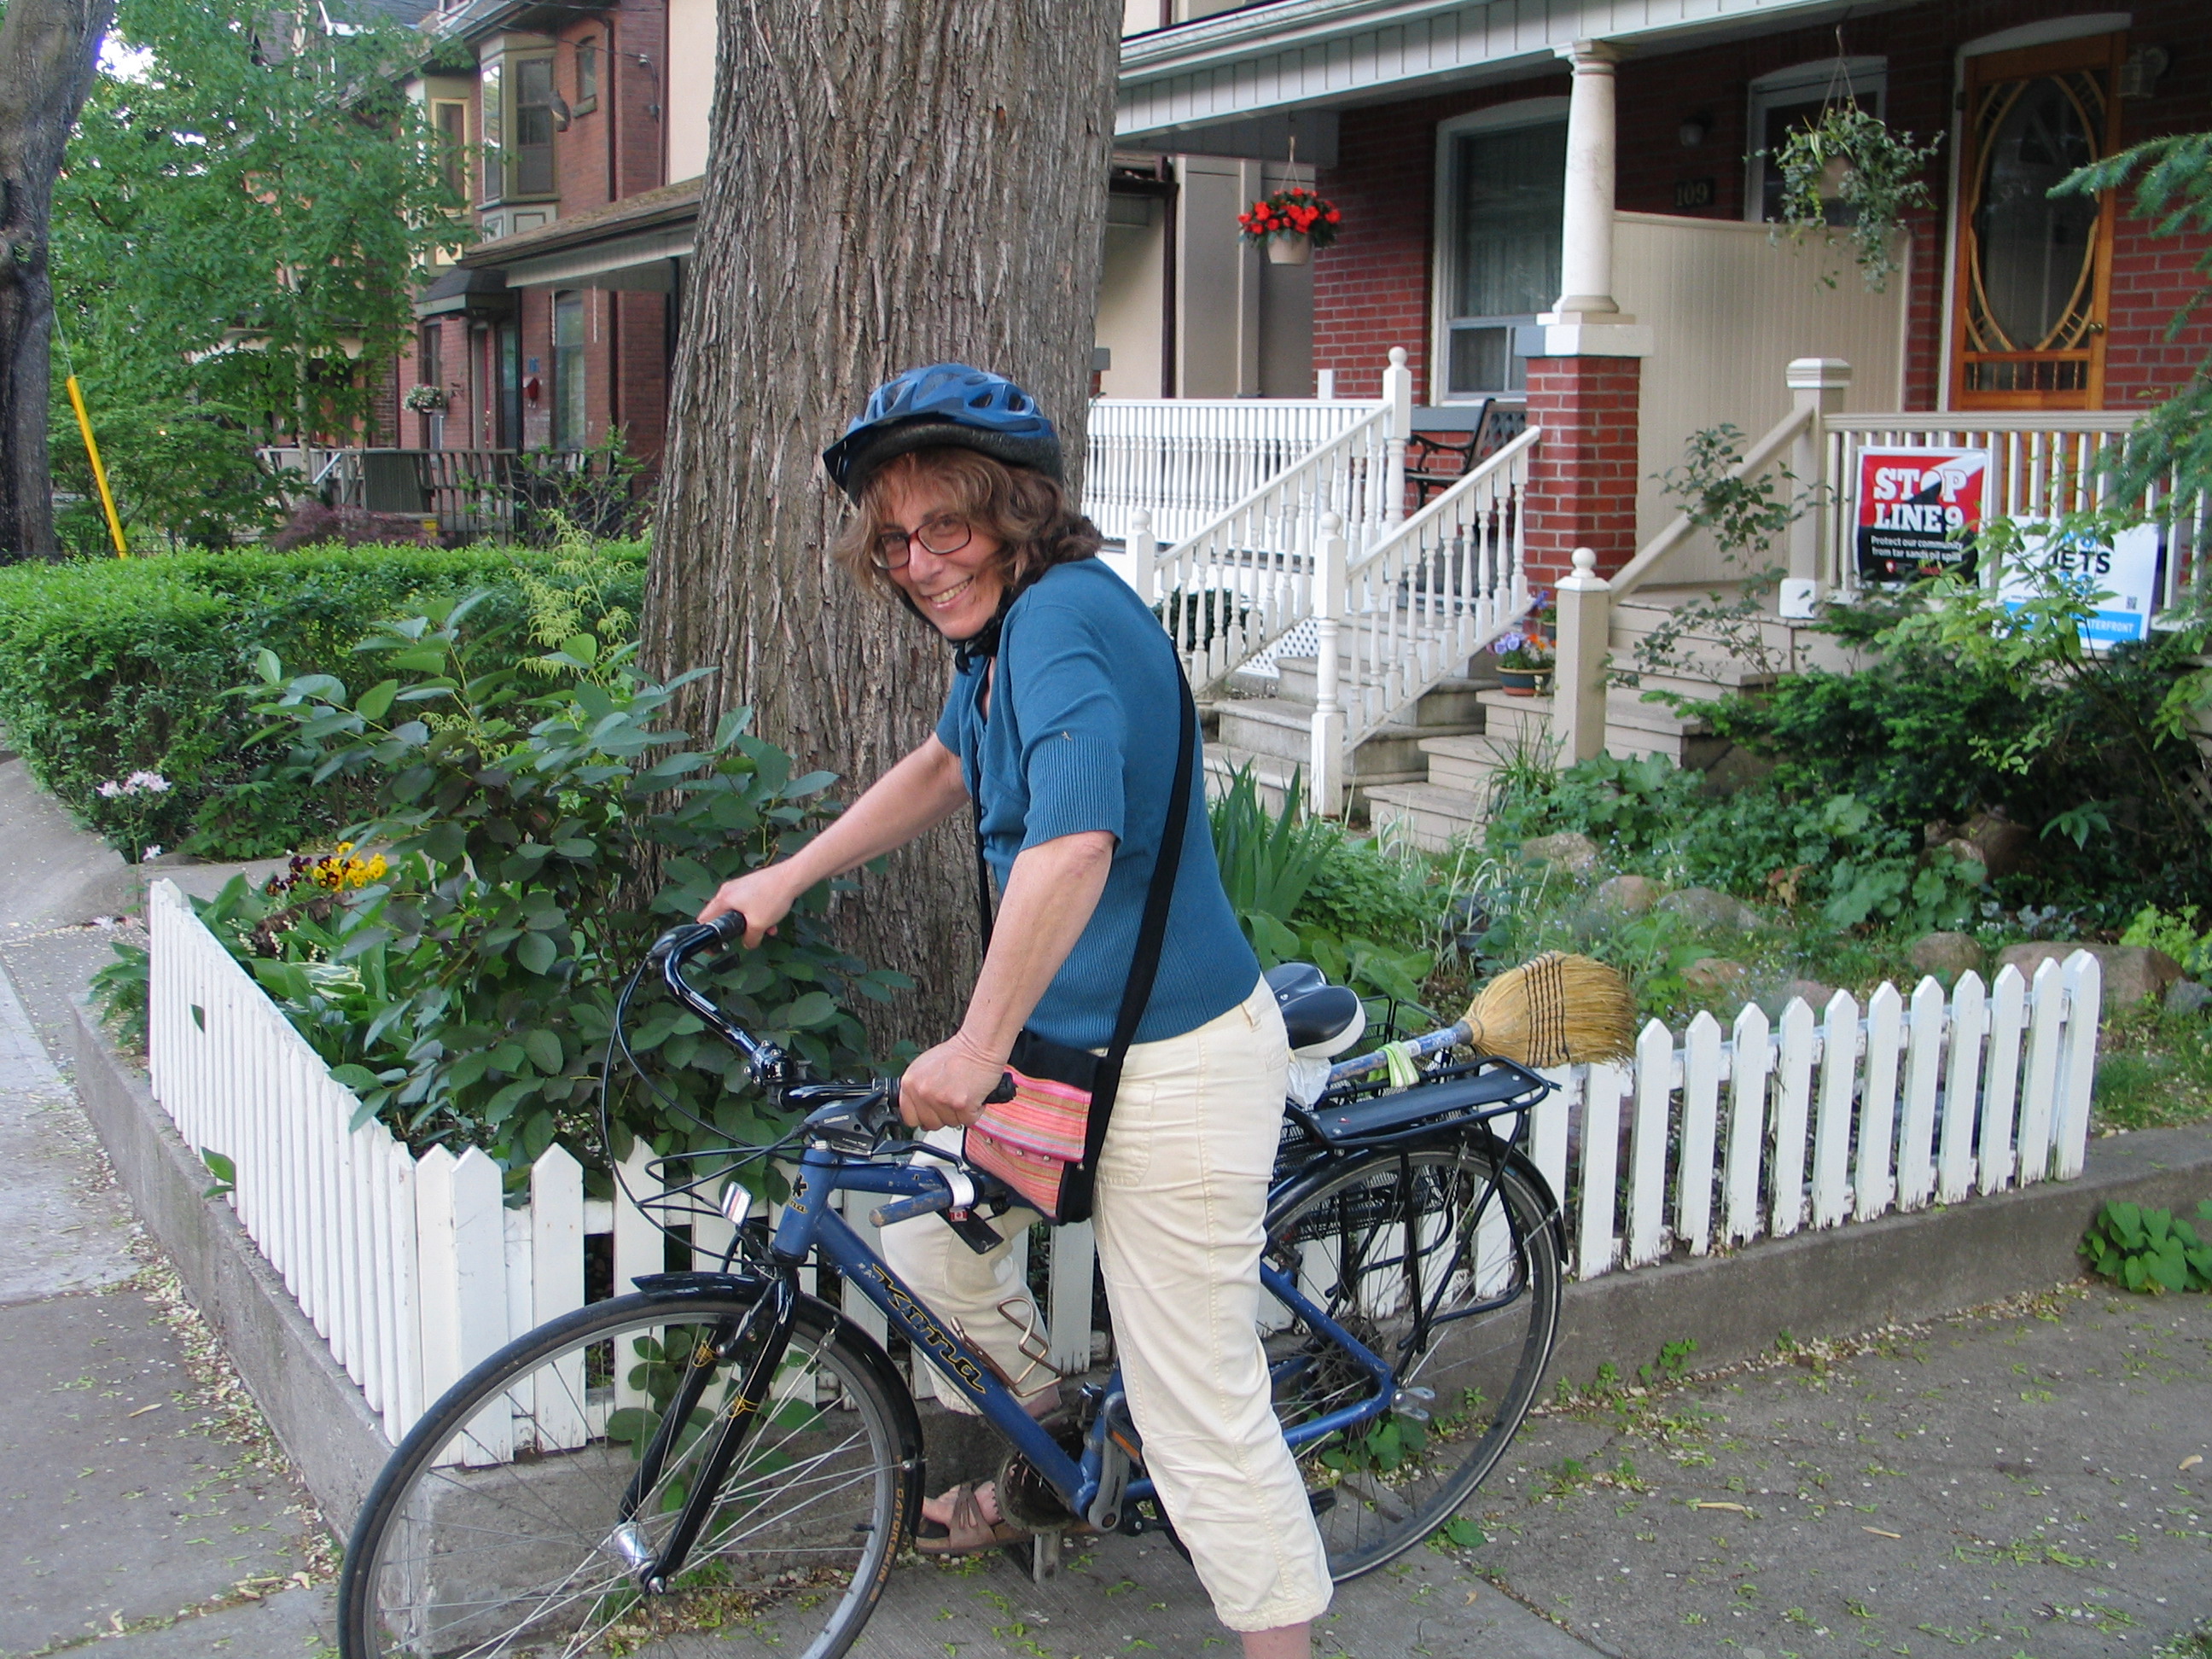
(2032, 274)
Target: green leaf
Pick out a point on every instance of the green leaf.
(815, 1008)
(535, 953)
(372, 703)
(544, 1049)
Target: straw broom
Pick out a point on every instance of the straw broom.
(1558, 1010)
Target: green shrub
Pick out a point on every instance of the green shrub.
(542, 827)
(1966, 704)
(113, 666)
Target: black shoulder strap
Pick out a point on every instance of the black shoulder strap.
(1151, 931)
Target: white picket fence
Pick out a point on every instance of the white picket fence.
(1185, 461)
(413, 1270)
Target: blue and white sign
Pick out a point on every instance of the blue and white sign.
(2125, 573)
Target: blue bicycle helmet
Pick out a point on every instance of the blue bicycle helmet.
(944, 405)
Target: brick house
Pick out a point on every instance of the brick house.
(566, 124)
(1443, 132)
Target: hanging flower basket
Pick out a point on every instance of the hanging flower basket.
(1849, 171)
(425, 399)
(1290, 224)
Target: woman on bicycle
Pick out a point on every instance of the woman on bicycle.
(1058, 726)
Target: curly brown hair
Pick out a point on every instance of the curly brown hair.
(1029, 513)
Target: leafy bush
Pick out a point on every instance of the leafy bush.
(112, 666)
(539, 833)
(1968, 703)
(2150, 1251)
(2176, 934)
(1652, 817)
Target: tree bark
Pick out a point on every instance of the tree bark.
(891, 183)
(47, 51)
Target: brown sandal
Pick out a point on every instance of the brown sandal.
(969, 1532)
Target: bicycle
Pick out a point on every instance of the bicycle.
(722, 1457)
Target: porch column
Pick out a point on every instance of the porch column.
(1585, 368)
(1586, 243)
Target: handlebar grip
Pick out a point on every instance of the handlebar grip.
(1003, 1093)
(687, 939)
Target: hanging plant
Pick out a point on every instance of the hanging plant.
(1850, 158)
(425, 399)
(1298, 212)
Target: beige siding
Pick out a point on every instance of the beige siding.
(1728, 310)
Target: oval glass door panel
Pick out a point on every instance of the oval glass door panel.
(2037, 252)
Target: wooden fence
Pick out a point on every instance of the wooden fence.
(414, 1269)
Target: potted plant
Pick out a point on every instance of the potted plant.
(1524, 663)
(1290, 224)
(1849, 170)
(425, 399)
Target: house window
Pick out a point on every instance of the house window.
(1501, 175)
(452, 120)
(587, 75)
(568, 370)
(531, 153)
(1790, 100)
(430, 370)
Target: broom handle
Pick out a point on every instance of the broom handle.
(1416, 1048)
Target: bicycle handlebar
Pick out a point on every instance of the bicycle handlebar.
(878, 1113)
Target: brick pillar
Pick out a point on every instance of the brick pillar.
(1581, 486)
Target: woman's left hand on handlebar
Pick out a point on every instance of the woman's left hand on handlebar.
(944, 1089)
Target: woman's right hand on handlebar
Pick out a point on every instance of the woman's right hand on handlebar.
(763, 896)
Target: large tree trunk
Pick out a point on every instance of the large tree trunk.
(892, 183)
(47, 49)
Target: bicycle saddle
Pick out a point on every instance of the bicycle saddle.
(1320, 1017)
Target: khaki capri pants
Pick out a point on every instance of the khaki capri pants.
(1182, 1201)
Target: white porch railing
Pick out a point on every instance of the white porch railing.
(1394, 621)
(2041, 463)
(413, 1270)
(1185, 461)
(1243, 580)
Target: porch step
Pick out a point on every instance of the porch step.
(1279, 729)
(1272, 775)
(1431, 815)
(1450, 702)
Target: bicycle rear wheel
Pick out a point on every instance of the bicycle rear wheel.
(1443, 1260)
(492, 1529)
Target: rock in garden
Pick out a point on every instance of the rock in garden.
(2186, 996)
(1716, 977)
(1630, 896)
(1712, 910)
(2132, 972)
(1815, 995)
(1570, 853)
(1947, 953)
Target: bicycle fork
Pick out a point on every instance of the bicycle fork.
(772, 1316)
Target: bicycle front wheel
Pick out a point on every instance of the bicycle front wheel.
(494, 1530)
(1443, 1259)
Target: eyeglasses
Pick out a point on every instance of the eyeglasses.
(946, 533)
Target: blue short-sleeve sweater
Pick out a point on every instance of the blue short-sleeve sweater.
(1081, 735)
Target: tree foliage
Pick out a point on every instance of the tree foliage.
(241, 216)
(2173, 178)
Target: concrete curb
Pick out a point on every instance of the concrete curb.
(1858, 1278)
(317, 1415)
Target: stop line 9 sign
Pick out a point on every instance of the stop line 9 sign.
(1918, 508)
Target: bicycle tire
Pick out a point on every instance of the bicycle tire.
(1484, 1257)
(490, 1530)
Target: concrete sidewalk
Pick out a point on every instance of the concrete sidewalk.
(2011, 1480)
(145, 1508)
